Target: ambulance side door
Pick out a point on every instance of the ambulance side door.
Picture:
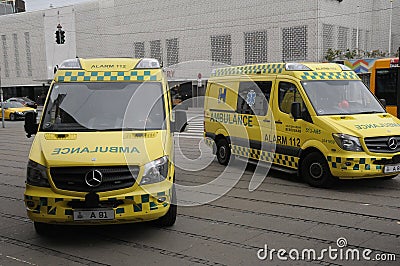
(289, 133)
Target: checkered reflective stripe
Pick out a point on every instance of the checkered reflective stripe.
(355, 164)
(86, 76)
(137, 204)
(313, 75)
(279, 68)
(45, 205)
(250, 69)
(265, 156)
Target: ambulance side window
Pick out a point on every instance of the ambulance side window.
(288, 93)
(253, 97)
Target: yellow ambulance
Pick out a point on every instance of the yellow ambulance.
(103, 150)
(316, 119)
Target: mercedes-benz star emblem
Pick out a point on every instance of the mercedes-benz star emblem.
(94, 178)
(392, 143)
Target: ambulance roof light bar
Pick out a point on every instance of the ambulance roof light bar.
(345, 68)
(71, 64)
(296, 67)
(148, 63)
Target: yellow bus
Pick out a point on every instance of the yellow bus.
(384, 83)
(381, 76)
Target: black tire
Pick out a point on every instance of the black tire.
(170, 217)
(389, 177)
(315, 171)
(43, 229)
(12, 117)
(223, 152)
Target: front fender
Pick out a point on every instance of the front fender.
(317, 145)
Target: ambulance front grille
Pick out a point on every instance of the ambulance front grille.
(381, 144)
(81, 178)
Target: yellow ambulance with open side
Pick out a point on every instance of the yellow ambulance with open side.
(323, 122)
(103, 149)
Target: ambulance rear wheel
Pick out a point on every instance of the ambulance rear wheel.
(315, 171)
(223, 151)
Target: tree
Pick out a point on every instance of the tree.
(350, 54)
(332, 54)
(378, 53)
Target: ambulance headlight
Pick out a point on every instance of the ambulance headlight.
(155, 171)
(348, 142)
(36, 175)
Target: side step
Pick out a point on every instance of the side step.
(273, 166)
(284, 169)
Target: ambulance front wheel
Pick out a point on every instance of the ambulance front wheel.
(43, 229)
(389, 177)
(315, 171)
(170, 217)
(223, 151)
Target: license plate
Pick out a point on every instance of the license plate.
(93, 214)
(394, 168)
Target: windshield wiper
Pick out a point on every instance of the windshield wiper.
(370, 112)
(64, 127)
(117, 129)
(136, 129)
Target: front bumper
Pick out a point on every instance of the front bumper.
(359, 167)
(43, 205)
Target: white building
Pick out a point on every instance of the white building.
(174, 31)
(6, 8)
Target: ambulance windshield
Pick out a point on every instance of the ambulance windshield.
(94, 106)
(341, 97)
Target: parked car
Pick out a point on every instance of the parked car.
(24, 100)
(15, 110)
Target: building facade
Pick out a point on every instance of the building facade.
(231, 32)
(6, 8)
(11, 6)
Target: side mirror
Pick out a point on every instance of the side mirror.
(295, 110)
(31, 127)
(383, 102)
(180, 121)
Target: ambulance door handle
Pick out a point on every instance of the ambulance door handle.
(266, 120)
(278, 122)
